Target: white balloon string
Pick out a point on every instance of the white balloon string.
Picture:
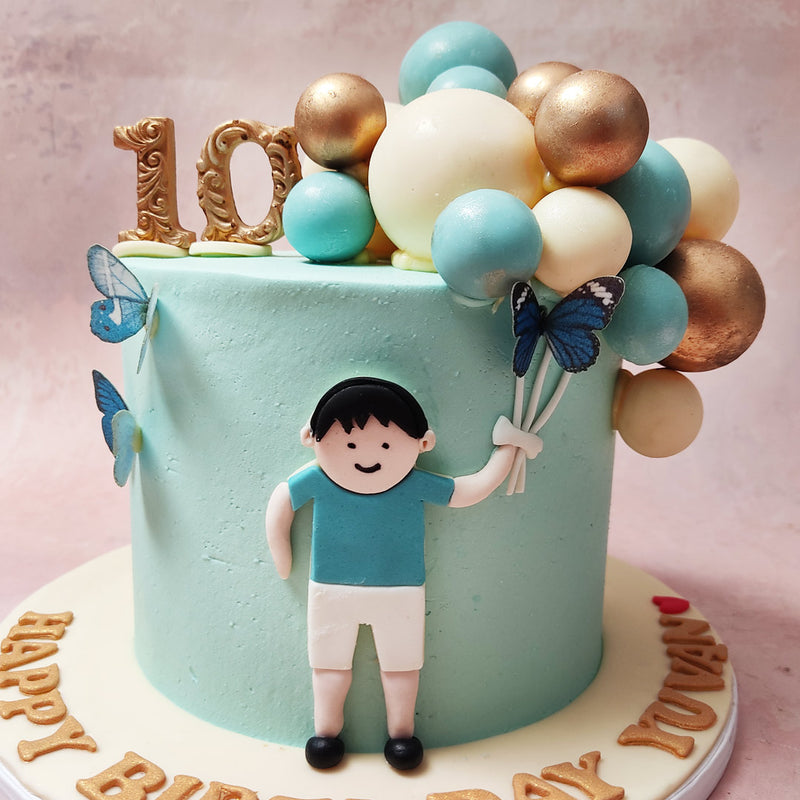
(517, 479)
(548, 410)
(519, 399)
(540, 421)
(530, 414)
(536, 392)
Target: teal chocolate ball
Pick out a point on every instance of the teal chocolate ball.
(469, 77)
(328, 217)
(656, 198)
(651, 319)
(484, 242)
(453, 44)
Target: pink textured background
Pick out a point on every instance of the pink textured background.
(719, 522)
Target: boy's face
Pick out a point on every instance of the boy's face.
(369, 460)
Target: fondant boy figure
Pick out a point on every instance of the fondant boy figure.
(367, 547)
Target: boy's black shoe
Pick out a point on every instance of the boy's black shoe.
(324, 752)
(404, 753)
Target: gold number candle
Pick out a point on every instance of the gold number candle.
(225, 231)
(153, 141)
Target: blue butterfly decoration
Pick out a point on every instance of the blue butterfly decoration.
(127, 308)
(568, 328)
(123, 436)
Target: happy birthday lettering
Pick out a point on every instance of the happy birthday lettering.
(697, 662)
(29, 641)
(136, 778)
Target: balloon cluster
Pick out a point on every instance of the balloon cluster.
(491, 176)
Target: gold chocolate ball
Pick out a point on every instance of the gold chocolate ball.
(591, 128)
(530, 86)
(338, 120)
(726, 304)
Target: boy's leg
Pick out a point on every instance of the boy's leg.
(399, 633)
(400, 692)
(403, 750)
(330, 691)
(332, 636)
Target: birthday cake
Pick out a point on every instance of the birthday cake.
(461, 356)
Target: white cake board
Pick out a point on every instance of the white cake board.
(104, 689)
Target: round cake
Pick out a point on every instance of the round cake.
(370, 478)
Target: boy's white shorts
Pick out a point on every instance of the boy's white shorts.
(395, 613)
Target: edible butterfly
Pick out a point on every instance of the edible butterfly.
(123, 436)
(127, 308)
(568, 328)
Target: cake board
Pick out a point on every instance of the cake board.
(103, 688)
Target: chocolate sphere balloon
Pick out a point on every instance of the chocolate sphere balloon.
(585, 234)
(651, 318)
(715, 190)
(531, 85)
(655, 195)
(453, 44)
(327, 217)
(469, 77)
(591, 128)
(726, 304)
(338, 119)
(657, 412)
(443, 145)
(484, 242)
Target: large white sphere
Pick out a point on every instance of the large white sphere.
(439, 147)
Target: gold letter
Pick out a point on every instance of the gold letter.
(31, 681)
(43, 709)
(41, 626)
(134, 777)
(222, 791)
(585, 779)
(684, 630)
(15, 654)
(70, 736)
(462, 794)
(183, 787)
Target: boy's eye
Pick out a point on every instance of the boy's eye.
(385, 445)
(351, 445)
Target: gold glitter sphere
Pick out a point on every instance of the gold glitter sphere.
(591, 128)
(338, 119)
(530, 86)
(726, 304)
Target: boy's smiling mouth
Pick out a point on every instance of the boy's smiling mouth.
(368, 470)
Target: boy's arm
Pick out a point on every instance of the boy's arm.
(279, 529)
(471, 489)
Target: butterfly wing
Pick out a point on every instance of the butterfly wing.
(125, 309)
(570, 326)
(109, 402)
(527, 318)
(150, 326)
(124, 434)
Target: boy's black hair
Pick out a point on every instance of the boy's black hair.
(355, 400)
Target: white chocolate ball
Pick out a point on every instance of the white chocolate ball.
(713, 184)
(443, 145)
(657, 412)
(585, 234)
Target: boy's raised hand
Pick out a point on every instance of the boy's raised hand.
(505, 432)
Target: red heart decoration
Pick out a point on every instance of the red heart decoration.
(671, 605)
